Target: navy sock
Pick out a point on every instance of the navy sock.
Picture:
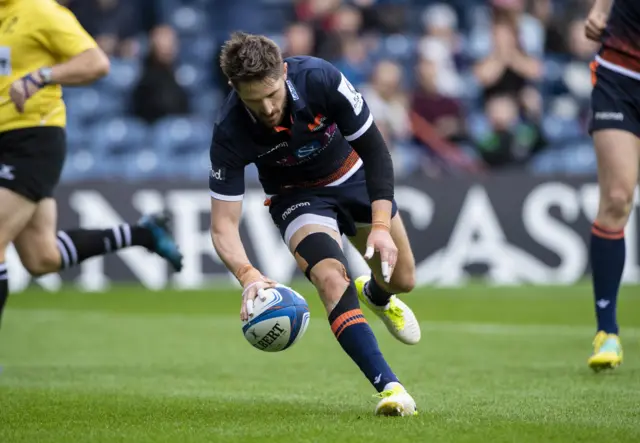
(376, 293)
(4, 287)
(607, 254)
(356, 337)
(80, 244)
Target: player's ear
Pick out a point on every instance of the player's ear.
(285, 70)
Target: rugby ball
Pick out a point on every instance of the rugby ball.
(279, 321)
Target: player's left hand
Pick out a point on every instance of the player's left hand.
(380, 241)
(24, 88)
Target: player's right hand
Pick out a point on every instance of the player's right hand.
(595, 24)
(250, 292)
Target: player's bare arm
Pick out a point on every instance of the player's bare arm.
(378, 167)
(597, 19)
(84, 68)
(225, 234)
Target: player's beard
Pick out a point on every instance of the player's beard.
(278, 118)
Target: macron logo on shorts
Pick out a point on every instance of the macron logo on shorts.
(6, 172)
(288, 212)
(619, 116)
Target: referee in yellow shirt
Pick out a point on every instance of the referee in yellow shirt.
(42, 46)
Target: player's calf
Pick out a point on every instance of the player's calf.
(324, 264)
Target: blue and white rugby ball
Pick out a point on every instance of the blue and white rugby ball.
(279, 321)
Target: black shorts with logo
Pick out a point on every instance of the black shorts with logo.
(615, 101)
(31, 160)
(344, 207)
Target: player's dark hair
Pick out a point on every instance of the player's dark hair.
(247, 58)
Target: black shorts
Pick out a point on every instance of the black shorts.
(615, 101)
(31, 160)
(344, 207)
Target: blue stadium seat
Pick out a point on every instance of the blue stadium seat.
(580, 158)
(206, 105)
(122, 78)
(190, 20)
(142, 165)
(193, 77)
(546, 163)
(90, 104)
(119, 136)
(178, 136)
(198, 50)
(556, 128)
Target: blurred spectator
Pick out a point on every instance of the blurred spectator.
(354, 64)
(387, 101)
(157, 93)
(384, 16)
(447, 80)
(299, 40)
(440, 22)
(509, 141)
(509, 52)
(117, 24)
(443, 112)
(344, 25)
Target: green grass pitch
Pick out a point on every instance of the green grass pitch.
(130, 365)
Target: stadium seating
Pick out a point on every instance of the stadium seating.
(104, 139)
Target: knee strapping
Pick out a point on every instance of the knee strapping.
(317, 247)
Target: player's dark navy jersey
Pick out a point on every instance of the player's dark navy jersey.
(325, 112)
(621, 39)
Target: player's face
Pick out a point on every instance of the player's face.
(266, 99)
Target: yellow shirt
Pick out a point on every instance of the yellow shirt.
(34, 34)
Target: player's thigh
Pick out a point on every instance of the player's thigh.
(615, 128)
(404, 275)
(618, 156)
(37, 243)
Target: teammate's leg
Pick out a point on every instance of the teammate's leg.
(379, 296)
(319, 254)
(618, 154)
(43, 251)
(15, 212)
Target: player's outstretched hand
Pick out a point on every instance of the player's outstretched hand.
(250, 292)
(595, 24)
(23, 88)
(380, 241)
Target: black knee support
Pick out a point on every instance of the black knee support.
(317, 247)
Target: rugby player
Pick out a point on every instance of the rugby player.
(42, 46)
(326, 171)
(615, 128)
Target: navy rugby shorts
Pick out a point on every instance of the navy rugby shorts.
(344, 207)
(615, 101)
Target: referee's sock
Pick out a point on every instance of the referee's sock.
(80, 244)
(4, 287)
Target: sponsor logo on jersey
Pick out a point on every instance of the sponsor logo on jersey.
(318, 124)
